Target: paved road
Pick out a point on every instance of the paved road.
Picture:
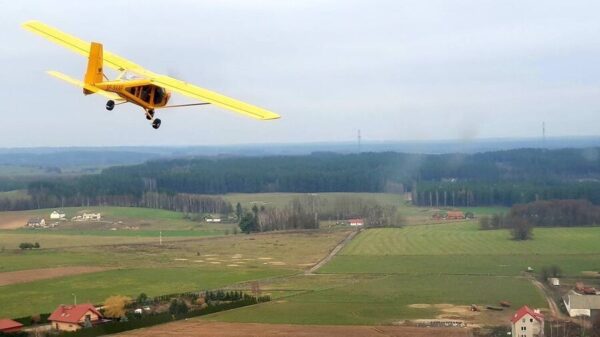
(335, 250)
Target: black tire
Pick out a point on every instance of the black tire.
(110, 105)
(156, 123)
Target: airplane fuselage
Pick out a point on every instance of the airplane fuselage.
(139, 91)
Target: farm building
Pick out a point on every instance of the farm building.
(356, 222)
(8, 326)
(213, 219)
(36, 223)
(527, 323)
(57, 215)
(579, 304)
(455, 215)
(554, 281)
(88, 217)
(74, 317)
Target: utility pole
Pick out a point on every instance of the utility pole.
(74, 299)
(544, 135)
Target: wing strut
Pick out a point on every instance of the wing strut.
(182, 105)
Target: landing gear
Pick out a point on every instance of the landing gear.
(149, 114)
(110, 105)
(150, 117)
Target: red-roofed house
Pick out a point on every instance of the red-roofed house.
(356, 222)
(74, 317)
(455, 215)
(527, 322)
(8, 325)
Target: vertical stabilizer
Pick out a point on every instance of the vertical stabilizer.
(94, 73)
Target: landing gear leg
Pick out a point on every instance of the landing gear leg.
(150, 114)
(110, 105)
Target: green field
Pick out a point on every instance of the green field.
(44, 296)
(247, 200)
(460, 248)
(377, 278)
(380, 299)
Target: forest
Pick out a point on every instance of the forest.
(490, 178)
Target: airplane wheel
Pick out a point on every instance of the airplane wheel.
(156, 123)
(150, 115)
(110, 105)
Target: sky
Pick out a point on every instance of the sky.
(397, 70)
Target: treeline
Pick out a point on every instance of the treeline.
(507, 193)
(522, 218)
(558, 213)
(449, 180)
(308, 211)
(60, 193)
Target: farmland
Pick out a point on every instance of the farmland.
(427, 269)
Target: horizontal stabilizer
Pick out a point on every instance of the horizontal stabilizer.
(87, 87)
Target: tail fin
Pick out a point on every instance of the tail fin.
(94, 73)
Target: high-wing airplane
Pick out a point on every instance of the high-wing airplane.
(135, 84)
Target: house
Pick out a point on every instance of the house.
(356, 222)
(36, 223)
(455, 215)
(527, 323)
(8, 325)
(74, 317)
(57, 215)
(554, 281)
(580, 304)
(213, 219)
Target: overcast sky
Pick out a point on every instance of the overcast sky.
(397, 70)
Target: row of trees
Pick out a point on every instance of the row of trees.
(522, 218)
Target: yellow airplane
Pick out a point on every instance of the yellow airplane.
(135, 84)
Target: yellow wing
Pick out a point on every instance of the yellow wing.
(208, 96)
(79, 83)
(77, 45)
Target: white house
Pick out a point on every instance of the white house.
(57, 215)
(554, 281)
(213, 220)
(356, 222)
(581, 305)
(527, 323)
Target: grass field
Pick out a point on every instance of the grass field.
(175, 266)
(247, 200)
(460, 248)
(45, 295)
(145, 221)
(380, 299)
(380, 275)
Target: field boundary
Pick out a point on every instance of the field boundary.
(331, 254)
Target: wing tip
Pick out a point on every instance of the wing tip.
(268, 118)
(29, 23)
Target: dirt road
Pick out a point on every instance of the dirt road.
(335, 250)
(22, 276)
(196, 327)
